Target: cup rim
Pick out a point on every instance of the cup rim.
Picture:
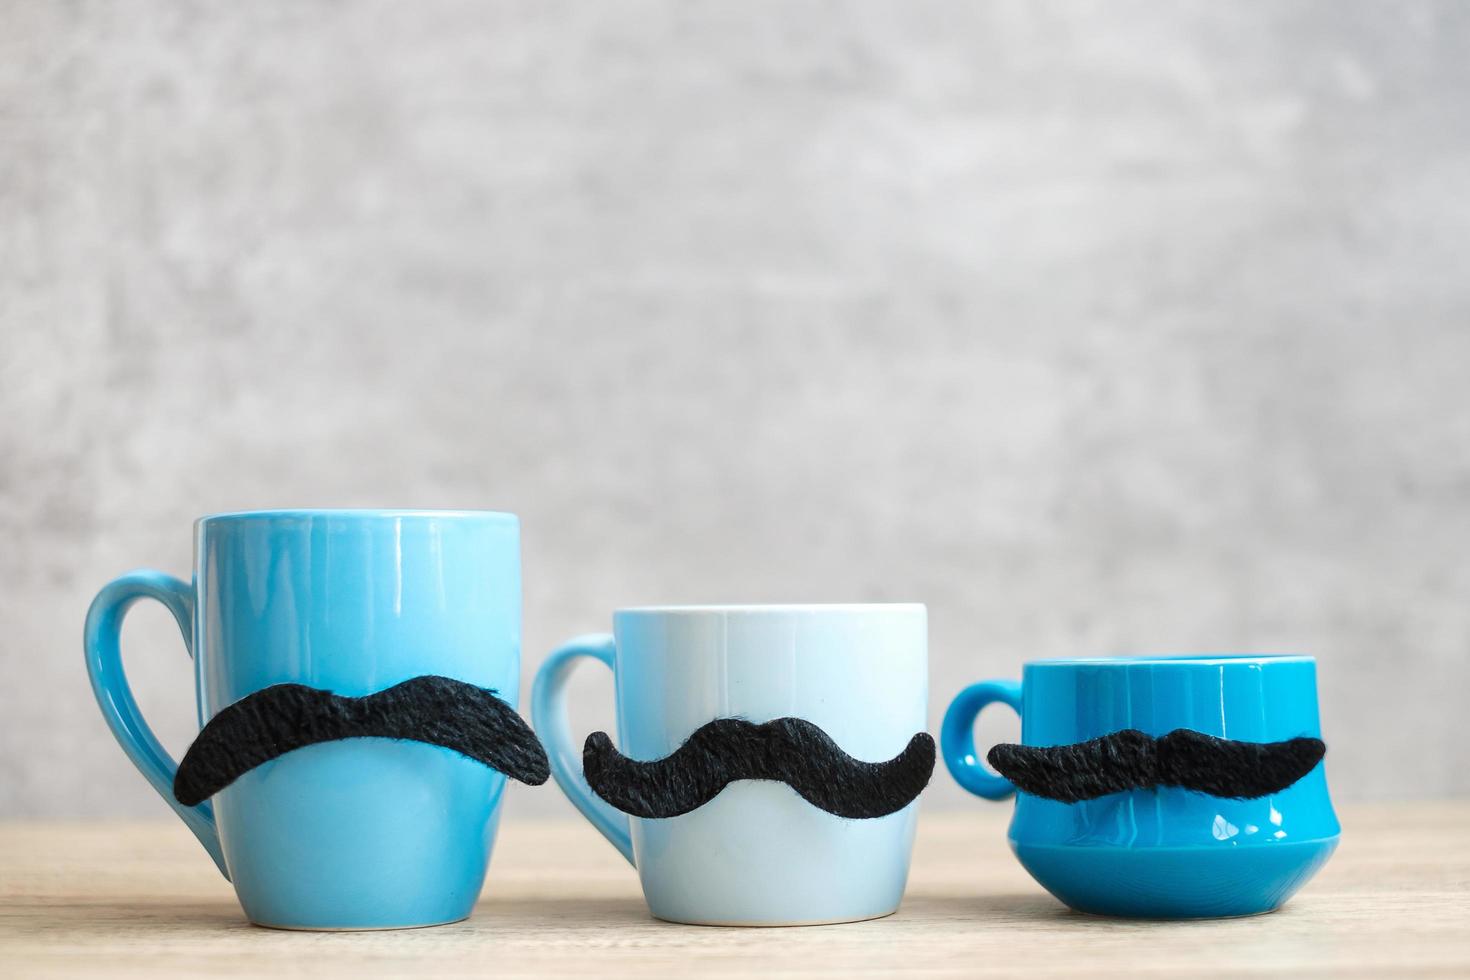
(352, 514)
(773, 608)
(1176, 660)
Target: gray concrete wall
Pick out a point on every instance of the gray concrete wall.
(1100, 328)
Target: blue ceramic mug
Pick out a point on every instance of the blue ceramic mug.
(1163, 852)
(363, 833)
(757, 854)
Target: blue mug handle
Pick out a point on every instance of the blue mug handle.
(115, 698)
(549, 718)
(957, 737)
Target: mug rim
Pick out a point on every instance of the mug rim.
(771, 608)
(1176, 660)
(351, 514)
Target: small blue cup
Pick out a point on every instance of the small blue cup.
(364, 833)
(1167, 853)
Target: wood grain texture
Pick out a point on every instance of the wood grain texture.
(142, 899)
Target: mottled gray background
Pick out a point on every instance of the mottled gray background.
(1107, 327)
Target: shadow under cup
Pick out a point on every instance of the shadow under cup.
(1167, 852)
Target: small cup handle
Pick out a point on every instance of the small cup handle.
(549, 717)
(957, 737)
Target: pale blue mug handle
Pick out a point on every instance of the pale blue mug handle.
(115, 698)
(549, 717)
(957, 737)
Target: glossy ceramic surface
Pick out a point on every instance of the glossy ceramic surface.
(757, 854)
(1166, 853)
(361, 833)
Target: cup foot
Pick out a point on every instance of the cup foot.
(1175, 883)
(774, 924)
(373, 928)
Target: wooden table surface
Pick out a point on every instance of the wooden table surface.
(142, 899)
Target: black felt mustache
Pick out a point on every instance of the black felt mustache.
(1130, 759)
(788, 750)
(438, 710)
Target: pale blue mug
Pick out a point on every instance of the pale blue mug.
(757, 854)
(363, 833)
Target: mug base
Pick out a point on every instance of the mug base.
(1175, 882)
(382, 928)
(775, 924)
